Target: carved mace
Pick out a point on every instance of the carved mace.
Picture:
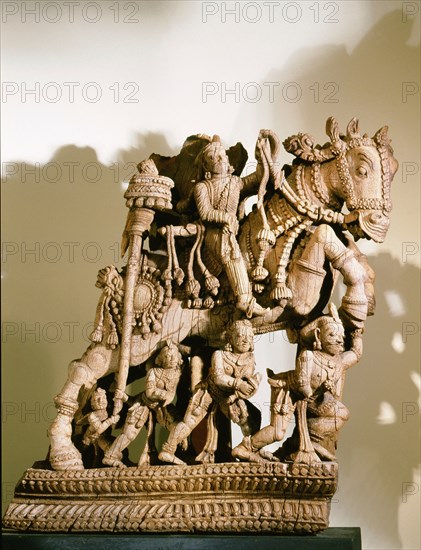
(147, 193)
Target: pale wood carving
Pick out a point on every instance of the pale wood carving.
(200, 280)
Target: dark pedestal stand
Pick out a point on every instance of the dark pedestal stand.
(334, 538)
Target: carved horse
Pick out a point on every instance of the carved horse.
(304, 223)
(294, 245)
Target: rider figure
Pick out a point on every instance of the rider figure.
(217, 199)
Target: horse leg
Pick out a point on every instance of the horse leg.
(369, 284)
(307, 275)
(207, 455)
(83, 373)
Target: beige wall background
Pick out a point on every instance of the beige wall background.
(91, 88)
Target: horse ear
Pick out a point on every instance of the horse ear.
(332, 129)
(381, 136)
(352, 130)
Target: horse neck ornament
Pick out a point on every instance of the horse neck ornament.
(346, 170)
(351, 170)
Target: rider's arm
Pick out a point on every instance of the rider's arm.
(206, 211)
(250, 185)
(95, 422)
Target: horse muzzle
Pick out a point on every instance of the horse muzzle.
(374, 224)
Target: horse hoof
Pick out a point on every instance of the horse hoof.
(305, 457)
(69, 459)
(241, 452)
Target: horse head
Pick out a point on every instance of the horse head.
(351, 168)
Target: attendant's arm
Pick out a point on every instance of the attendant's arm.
(303, 370)
(352, 356)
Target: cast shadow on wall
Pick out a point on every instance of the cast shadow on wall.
(367, 82)
(63, 222)
(81, 210)
(379, 449)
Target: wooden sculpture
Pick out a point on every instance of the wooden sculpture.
(200, 280)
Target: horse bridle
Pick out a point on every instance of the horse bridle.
(365, 203)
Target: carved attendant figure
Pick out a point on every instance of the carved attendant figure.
(161, 387)
(317, 379)
(99, 421)
(232, 379)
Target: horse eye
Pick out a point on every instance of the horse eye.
(361, 171)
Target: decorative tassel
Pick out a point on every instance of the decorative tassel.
(97, 334)
(208, 303)
(112, 339)
(193, 288)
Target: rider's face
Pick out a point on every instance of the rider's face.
(219, 162)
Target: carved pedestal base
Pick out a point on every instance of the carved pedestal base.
(228, 497)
